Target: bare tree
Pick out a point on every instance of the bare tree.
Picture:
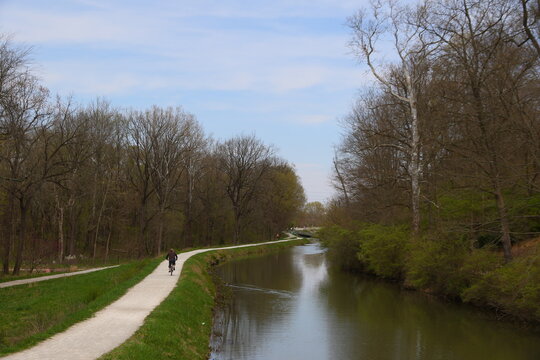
(530, 21)
(412, 46)
(139, 170)
(171, 133)
(195, 148)
(77, 180)
(13, 69)
(474, 35)
(244, 160)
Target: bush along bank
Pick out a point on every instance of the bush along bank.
(180, 327)
(443, 265)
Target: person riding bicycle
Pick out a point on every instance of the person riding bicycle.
(172, 257)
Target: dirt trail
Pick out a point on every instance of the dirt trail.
(113, 325)
(49, 277)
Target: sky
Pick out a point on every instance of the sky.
(281, 70)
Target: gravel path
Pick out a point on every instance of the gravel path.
(49, 277)
(113, 325)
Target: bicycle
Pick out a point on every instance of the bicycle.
(171, 268)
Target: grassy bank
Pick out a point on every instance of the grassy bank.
(444, 265)
(180, 327)
(34, 312)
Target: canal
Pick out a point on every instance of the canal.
(290, 305)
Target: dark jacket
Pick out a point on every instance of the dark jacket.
(171, 256)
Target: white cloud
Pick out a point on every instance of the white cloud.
(165, 51)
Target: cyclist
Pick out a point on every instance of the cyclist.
(172, 257)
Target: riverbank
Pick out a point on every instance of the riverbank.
(293, 305)
(180, 327)
(442, 265)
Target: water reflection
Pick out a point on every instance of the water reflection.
(291, 306)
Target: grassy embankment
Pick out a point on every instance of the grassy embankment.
(180, 327)
(443, 265)
(34, 312)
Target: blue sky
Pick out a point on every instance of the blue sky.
(278, 69)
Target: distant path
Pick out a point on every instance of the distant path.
(49, 277)
(113, 325)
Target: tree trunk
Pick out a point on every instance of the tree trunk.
(160, 231)
(341, 180)
(72, 231)
(188, 228)
(60, 230)
(61, 235)
(107, 245)
(100, 215)
(22, 238)
(415, 164)
(142, 220)
(10, 226)
(237, 228)
(505, 227)
(494, 175)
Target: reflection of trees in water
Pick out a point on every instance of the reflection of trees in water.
(352, 317)
(313, 260)
(378, 320)
(275, 271)
(261, 297)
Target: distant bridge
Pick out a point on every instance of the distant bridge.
(307, 232)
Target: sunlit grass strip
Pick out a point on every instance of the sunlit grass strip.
(180, 327)
(34, 312)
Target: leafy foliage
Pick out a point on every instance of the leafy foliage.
(383, 249)
(513, 288)
(434, 265)
(343, 246)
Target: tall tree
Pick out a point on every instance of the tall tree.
(244, 160)
(413, 47)
(475, 36)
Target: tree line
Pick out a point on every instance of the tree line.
(98, 181)
(443, 154)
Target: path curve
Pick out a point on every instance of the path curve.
(117, 322)
(49, 277)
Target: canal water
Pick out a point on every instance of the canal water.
(291, 306)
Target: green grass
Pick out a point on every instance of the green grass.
(34, 312)
(180, 327)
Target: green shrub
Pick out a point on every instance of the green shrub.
(480, 262)
(343, 245)
(513, 288)
(383, 249)
(435, 265)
